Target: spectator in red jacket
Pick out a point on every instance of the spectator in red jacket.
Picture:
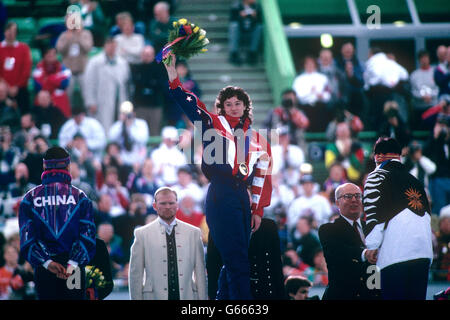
(53, 76)
(15, 66)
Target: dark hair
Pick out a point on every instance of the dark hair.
(185, 169)
(386, 145)
(422, 53)
(10, 24)
(181, 62)
(229, 92)
(414, 146)
(293, 283)
(309, 57)
(45, 48)
(375, 50)
(308, 218)
(78, 109)
(288, 91)
(56, 153)
(40, 136)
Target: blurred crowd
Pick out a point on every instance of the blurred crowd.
(104, 107)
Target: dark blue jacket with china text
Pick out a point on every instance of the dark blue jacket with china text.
(56, 218)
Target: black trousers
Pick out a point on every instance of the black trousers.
(50, 287)
(405, 280)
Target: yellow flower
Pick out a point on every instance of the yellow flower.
(175, 24)
(196, 29)
(201, 37)
(97, 270)
(204, 50)
(182, 21)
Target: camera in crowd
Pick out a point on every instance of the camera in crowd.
(287, 103)
(126, 108)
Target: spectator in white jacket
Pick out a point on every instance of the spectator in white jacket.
(313, 92)
(168, 158)
(380, 70)
(309, 204)
(106, 79)
(382, 76)
(131, 134)
(129, 43)
(311, 86)
(424, 89)
(90, 128)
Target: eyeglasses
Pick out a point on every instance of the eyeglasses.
(349, 196)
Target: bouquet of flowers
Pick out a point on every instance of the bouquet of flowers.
(94, 277)
(185, 40)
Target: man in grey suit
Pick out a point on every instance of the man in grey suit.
(170, 254)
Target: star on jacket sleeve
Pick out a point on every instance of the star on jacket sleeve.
(192, 106)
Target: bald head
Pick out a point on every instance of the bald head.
(441, 53)
(161, 12)
(349, 200)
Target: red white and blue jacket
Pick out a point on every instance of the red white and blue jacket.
(258, 156)
(54, 78)
(56, 218)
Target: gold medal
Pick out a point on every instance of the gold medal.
(243, 169)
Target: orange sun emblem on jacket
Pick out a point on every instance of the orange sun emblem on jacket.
(414, 199)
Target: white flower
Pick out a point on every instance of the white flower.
(205, 41)
(202, 32)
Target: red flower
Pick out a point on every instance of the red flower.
(187, 28)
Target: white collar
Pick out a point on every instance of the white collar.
(167, 226)
(15, 44)
(351, 221)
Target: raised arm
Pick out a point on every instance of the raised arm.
(171, 70)
(191, 105)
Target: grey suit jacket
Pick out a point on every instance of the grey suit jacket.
(148, 263)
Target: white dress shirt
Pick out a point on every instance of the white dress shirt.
(168, 227)
(308, 85)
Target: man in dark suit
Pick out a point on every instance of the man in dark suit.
(266, 274)
(344, 249)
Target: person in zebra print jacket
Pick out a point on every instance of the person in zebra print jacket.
(398, 223)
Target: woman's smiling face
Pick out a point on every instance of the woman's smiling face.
(234, 107)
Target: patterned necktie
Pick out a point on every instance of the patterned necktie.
(355, 227)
